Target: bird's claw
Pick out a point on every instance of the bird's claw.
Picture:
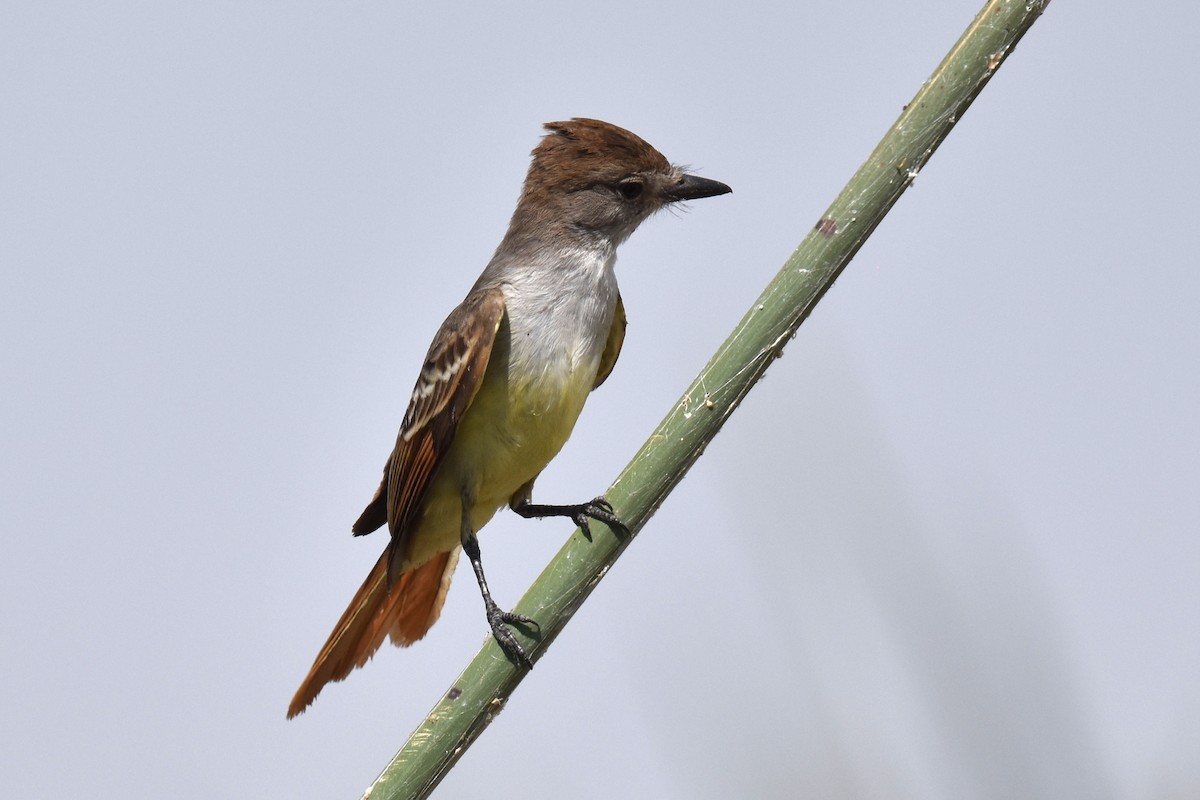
(499, 621)
(598, 509)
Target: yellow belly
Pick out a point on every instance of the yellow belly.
(507, 436)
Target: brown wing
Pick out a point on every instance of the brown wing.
(612, 348)
(449, 380)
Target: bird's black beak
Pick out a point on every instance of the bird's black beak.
(693, 187)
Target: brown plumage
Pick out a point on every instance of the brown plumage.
(405, 613)
(393, 601)
(502, 386)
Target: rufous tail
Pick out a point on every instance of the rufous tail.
(405, 612)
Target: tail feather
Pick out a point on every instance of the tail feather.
(406, 612)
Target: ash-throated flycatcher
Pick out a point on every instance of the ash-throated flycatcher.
(502, 386)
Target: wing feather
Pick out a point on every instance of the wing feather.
(612, 348)
(449, 380)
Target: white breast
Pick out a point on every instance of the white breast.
(560, 313)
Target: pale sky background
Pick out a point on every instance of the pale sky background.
(947, 549)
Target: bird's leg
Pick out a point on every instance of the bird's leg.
(599, 509)
(498, 619)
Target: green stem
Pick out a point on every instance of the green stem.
(485, 685)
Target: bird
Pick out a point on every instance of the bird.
(502, 386)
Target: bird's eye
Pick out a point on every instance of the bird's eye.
(630, 190)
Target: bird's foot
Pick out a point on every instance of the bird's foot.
(499, 621)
